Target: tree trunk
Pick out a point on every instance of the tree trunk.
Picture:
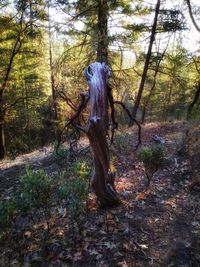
(53, 88)
(143, 116)
(2, 136)
(146, 65)
(196, 97)
(102, 180)
(167, 103)
(102, 49)
(144, 109)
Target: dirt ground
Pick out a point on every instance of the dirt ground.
(159, 228)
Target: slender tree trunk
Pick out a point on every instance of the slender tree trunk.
(167, 103)
(31, 15)
(53, 88)
(146, 65)
(152, 88)
(196, 97)
(2, 135)
(144, 109)
(102, 179)
(26, 104)
(102, 28)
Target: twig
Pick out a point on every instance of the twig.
(67, 100)
(81, 107)
(133, 119)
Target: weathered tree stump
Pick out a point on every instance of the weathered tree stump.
(102, 180)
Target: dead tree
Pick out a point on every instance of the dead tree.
(98, 126)
(102, 180)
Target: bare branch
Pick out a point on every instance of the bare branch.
(67, 100)
(81, 107)
(191, 16)
(133, 119)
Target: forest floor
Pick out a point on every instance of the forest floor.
(158, 228)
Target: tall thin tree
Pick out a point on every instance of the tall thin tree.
(147, 61)
(53, 87)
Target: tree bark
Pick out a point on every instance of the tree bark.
(144, 109)
(2, 136)
(102, 180)
(167, 102)
(196, 97)
(53, 88)
(102, 28)
(146, 65)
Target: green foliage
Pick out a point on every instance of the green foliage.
(194, 114)
(171, 20)
(23, 64)
(35, 190)
(81, 169)
(29, 87)
(152, 157)
(75, 191)
(7, 208)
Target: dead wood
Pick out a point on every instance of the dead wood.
(101, 99)
(102, 181)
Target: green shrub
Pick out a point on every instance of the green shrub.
(7, 209)
(152, 158)
(75, 191)
(35, 190)
(153, 155)
(81, 169)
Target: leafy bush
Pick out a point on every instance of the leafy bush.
(75, 191)
(152, 158)
(7, 208)
(81, 169)
(35, 190)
